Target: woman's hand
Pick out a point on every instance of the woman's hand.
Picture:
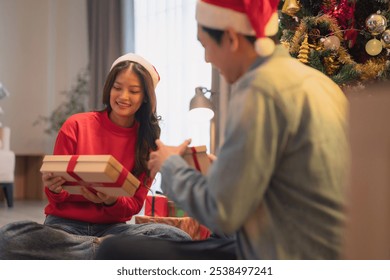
(54, 183)
(98, 197)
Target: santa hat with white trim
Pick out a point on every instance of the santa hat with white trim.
(140, 60)
(249, 17)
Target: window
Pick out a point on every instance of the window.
(165, 33)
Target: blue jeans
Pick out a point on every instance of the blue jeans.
(62, 239)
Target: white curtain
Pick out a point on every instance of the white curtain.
(165, 33)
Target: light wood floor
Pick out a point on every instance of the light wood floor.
(22, 210)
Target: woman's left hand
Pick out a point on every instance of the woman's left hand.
(98, 197)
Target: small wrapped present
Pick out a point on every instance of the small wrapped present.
(101, 173)
(156, 205)
(187, 224)
(174, 211)
(197, 158)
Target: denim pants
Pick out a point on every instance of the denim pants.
(62, 239)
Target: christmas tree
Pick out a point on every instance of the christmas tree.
(348, 40)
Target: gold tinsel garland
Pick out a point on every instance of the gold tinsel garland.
(303, 29)
(369, 70)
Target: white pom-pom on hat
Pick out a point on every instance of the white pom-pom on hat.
(264, 46)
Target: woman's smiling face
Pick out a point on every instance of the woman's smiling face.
(126, 97)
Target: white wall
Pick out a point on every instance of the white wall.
(43, 46)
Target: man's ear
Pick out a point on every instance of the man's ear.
(232, 39)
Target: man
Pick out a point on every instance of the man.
(278, 181)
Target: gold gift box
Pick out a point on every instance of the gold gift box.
(96, 172)
(198, 154)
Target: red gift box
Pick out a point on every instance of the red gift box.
(156, 205)
(174, 211)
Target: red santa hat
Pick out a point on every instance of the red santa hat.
(249, 17)
(140, 60)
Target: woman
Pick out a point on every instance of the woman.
(126, 129)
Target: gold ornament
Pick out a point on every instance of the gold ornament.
(376, 24)
(331, 64)
(316, 47)
(374, 47)
(291, 7)
(386, 39)
(331, 43)
(304, 49)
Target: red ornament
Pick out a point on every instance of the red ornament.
(344, 13)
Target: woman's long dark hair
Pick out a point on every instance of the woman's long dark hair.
(149, 129)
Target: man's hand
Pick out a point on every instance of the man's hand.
(54, 183)
(157, 158)
(212, 157)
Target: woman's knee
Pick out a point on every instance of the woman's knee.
(18, 228)
(14, 234)
(167, 232)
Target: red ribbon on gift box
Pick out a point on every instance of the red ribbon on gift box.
(153, 203)
(70, 170)
(156, 206)
(195, 158)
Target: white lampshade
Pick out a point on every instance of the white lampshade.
(201, 107)
(201, 114)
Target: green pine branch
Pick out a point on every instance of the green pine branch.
(75, 102)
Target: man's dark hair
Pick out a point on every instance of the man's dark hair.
(217, 34)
